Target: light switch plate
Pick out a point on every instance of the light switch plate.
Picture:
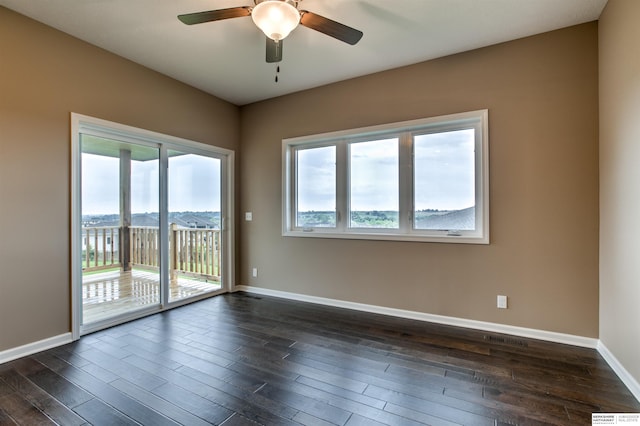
(502, 302)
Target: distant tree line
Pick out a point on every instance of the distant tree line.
(365, 219)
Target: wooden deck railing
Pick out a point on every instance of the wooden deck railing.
(144, 246)
(101, 245)
(194, 252)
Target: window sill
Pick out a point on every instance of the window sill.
(385, 236)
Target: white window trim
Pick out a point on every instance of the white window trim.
(477, 119)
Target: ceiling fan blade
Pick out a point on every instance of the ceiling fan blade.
(274, 50)
(331, 28)
(215, 15)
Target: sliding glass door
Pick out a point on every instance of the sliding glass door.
(151, 222)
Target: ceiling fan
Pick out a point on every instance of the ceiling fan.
(276, 19)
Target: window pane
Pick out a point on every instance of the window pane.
(444, 181)
(316, 187)
(194, 197)
(120, 211)
(373, 189)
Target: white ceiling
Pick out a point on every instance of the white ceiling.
(227, 58)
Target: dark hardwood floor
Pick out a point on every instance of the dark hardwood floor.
(240, 359)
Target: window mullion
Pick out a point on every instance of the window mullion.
(406, 182)
(292, 182)
(342, 185)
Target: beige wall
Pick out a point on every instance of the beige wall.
(45, 75)
(620, 182)
(542, 96)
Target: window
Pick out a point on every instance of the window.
(316, 187)
(373, 184)
(421, 180)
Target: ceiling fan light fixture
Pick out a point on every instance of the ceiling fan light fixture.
(276, 18)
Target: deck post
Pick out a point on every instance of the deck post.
(173, 247)
(125, 209)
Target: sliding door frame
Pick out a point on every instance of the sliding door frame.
(82, 124)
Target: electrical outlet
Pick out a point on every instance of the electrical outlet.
(248, 216)
(502, 302)
(254, 272)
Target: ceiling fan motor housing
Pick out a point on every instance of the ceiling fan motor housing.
(276, 18)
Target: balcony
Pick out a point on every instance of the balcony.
(116, 282)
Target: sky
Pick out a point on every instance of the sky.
(444, 178)
(374, 175)
(445, 170)
(194, 184)
(444, 174)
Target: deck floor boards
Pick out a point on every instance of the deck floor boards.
(112, 293)
(239, 359)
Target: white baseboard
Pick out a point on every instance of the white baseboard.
(550, 336)
(619, 369)
(34, 347)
